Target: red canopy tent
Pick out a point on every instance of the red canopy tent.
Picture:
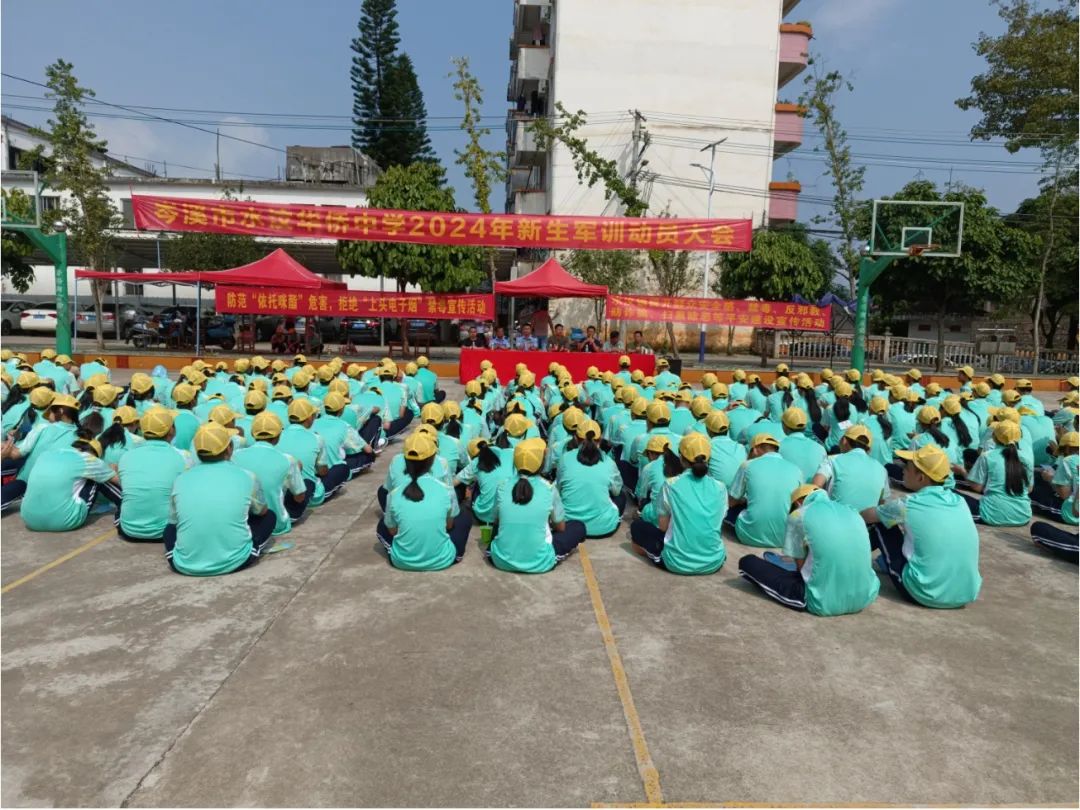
(550, 280)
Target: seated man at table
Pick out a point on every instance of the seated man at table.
(638, 344)
(499, 340)
(589, 343)
(474, 340)
(613, 344)
(525, 341)
(559, 342)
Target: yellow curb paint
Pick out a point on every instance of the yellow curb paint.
(650, 777)
(58, 561)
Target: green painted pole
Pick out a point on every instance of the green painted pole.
(869, 269)
(55, 245)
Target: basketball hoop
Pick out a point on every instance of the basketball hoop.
(918, 250)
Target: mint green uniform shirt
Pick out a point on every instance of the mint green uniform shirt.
(44, 436)
(726, 458)
(766, 482)
(1041, 430)
(832, 541)
(50, 503)
(523, 541)
(681, 420)
(650, 482)
(14, 415)
(998, 507)
(279, 475)
(696, 506)
(88, 370)
(209, 506)
(586, 491)
(428, 383)
(941, 546)
(147, 475)
(1066, 474)
(855, 479)
(185, 423)
(739, 419)
(880, 449)
(422, 542)
(1033, 402)
(307, 447)
(114, 452)
(736, 390)
(628, 436)
(756, 400)
(340, 437)
(486, 484)
(806, 454)
(903, 423)
(774, 429)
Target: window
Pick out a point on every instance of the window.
(49, 202)
(127, 212)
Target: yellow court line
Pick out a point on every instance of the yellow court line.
(58, 561)
(650, 777)
(804, 806)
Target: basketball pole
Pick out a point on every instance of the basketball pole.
(55, 246)
(869, 269)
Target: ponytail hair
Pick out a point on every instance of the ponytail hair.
(886, 425)
(415, 469)
(813, 409)
(940, 439)
(760, 386)
(962, 432)
(841, 409)
(14, 397)
(522, 492)
(503, 440)
(1016, 479)
(910, 406)
(93, 422)
(452, 428)
(858, 401)
(114, 434)
(588, 451)
(87, 399)
(83, 437)
(672, 464)
(487, 460)
(700, 467)
(787, 399)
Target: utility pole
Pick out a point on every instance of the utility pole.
(217, 164)
(640, 144)
(711, 171)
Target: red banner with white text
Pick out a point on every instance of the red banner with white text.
(439, 228)
(718, 312)
(346, 303)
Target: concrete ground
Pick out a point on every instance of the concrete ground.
(323, 676)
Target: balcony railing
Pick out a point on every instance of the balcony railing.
(529, 201)
(794, 50)
(784, 201)
(788, 133)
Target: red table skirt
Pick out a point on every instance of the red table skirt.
(577, 362)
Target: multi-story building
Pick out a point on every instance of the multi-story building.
(659, 82)
(314, 175)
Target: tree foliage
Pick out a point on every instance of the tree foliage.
(438, 268)
(615, 269)
(590, 165)
(88, 213)
(389, 117)
(780, 265)
(1028, 94)
(17, 249)
(846, 177)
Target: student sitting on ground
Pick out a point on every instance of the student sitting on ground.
(1054, 492)
(759, 497)
(726, 454)
(797, 447)
(429, 382)
(395, 473)
(147, 475)
(531, 533)
(488, 467)
(880, 426)
(218, 518)
(686, 539)
(423, 528)
(852, 476)
(590, 484)
(343, 442)
(309, 448)
(928, 539)
(63, 484)
(1004, 478)
(279, 474)
(663, 464)
(121, 436)
(832, 572)
(58, 429)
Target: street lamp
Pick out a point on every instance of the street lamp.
(710, 171)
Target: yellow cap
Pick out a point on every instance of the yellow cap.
(254, 401)
(475, 446)
(928, 415)
(781, 368)
(853, 375)
(1070, 439)
(325, 373)
(783, 383)
(738, 375)
(1010, 396)
(280, 379)
(997, 379)
(607, 376)
(1006, 433)
(627, 395)
(570, 392)
(64, 401)
(592, 372)
(432, 414)
(898, 392)
(516, 424)
(266, 426)
(802, 491)
(695, 447)
(843, 388)
(639, 406)
(42, 397)
(981, 389)
(141, 383)
(211, 439)
(933, 389)
(637, 375)
(700, 407)
(1024, 383)
(965, 395)
(527, 379)
(48, 354)
(339, 386)
(804, 381)
(1005, 414)
(879, 405)
(707, 380)
(513, 406)
(156, 423)
(683, 395)
(753, 379)
(1073, 381)
(473, 389)
(281, 392)
(859, 434)
(764, 438)
(280, 365)
(223, 415)
(914, 373)
(451, 409)
(877, 375)
(657, 443)
(717, 422)
(106, 394)
(1071, 398)
(258, 383)
(662, 362)
(5, 355)
(27, 380)
(718, 390)
(485, 365)
(967, 371)
(572, 417)
(300, 410)
(428, 429)
(616, 382)
(529, 455)
(420, 447)
(183, 393)
(259, 363)
(63, 360)
(586, 428)
(658, 412)
(93, 445)
(951, 406)
(125, 415)
(422, 361)
(794, 418)
(930, 460)
(334, 402)
(826, 374)
(624, 360)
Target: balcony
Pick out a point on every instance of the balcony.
(529, 201)
(794, 50)
(521, 145)
(784, 201)
(788, 130)
(530, 16)
(789, 5)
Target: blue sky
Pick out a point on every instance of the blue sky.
(908, 59)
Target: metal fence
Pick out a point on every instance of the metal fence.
(888, 350)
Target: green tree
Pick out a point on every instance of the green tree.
(1029, 92)
(374, 51)
(88, 212)
(590, 165)
(781, 264)
(482, 166)
(16, 247)
(846, 177)
(438, 268)
(615, 269)
(407, 138)
(996, 266)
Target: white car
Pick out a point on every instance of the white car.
(86, 321)
(43, 319)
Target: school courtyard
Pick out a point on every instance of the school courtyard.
(323, 676)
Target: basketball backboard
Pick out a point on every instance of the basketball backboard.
(27, 183)
(933, 228)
